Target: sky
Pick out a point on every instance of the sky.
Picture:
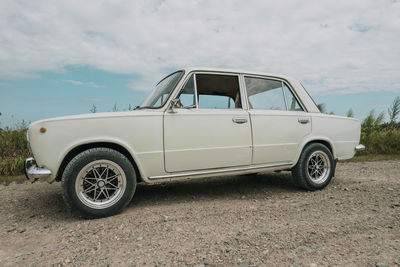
(62, 57)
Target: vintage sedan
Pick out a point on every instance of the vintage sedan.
(197, 122)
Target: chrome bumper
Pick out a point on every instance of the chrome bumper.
(359, 147)
(33, 172)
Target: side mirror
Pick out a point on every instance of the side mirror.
(175, 103)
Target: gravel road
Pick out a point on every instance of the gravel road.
(253, 220)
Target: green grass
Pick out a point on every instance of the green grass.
(13, 152)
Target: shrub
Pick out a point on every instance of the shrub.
(13, 151)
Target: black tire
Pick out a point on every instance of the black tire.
(306, 172)
(78, 186)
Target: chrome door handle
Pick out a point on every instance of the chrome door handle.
(303, 120)
(239, 120)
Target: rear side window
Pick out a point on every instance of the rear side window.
(291, 100)
(265, 93)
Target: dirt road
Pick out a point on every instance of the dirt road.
(253, 220)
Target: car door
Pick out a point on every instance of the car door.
(208, 128)
(279, 122)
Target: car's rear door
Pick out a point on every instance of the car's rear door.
(279, 122)
(211, 129)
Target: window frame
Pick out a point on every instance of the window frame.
(241, 89)
(171, 93)
(295, 96)
(283, 82)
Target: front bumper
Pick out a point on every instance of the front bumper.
(360, 147)
(33, 172)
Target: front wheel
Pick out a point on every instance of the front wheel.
(98, 182)
(315, 167)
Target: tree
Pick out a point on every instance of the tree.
(115, 108)
(350, 113)
(130, 107)
(321, 107)
(394, 110)
(93, 109)
(372, 122)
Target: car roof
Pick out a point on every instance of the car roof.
(241, 71)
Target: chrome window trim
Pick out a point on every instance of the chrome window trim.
(284, 96)
(297, 99)
(195, 90)
(276, 79)
(168, 100)
(176, 93)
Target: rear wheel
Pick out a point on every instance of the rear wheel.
(315, 167)
(98, 182)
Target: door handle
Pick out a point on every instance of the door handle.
(239, 120)
(303, 120)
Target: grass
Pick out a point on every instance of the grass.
(13, 151)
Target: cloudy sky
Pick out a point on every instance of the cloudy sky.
(61, 57)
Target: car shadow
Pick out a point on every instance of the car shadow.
(47, 202)
(226, 187)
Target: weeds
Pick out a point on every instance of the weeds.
(13, 151)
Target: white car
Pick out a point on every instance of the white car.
(197, 122)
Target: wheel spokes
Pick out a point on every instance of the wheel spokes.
(318, 166)
(103, 185)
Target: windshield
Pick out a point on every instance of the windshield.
(160, 94)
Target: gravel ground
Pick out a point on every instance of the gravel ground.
(253, 220)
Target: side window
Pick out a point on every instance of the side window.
(265, 93)
(215, 101)
(291, 100)
(218, 91)
(187, 95)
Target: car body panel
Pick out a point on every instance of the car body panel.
(66, 133)
(192, 143)
(196, 139)
(277, 135)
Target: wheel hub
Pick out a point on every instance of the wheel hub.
(100, 184)
(318, 167)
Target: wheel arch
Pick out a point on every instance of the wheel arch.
(321, 140)
(74, 151)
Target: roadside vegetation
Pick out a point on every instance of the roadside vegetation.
(13, 149)
(382, 139)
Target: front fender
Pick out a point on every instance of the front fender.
(77, 143)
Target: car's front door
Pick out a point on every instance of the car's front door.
(279, 123)
(209, 128)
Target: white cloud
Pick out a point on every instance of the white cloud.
(73, 82)
(337, 46)
(89, 84)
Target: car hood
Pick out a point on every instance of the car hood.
(131, 113)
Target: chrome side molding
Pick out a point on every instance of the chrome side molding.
(200, 173)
